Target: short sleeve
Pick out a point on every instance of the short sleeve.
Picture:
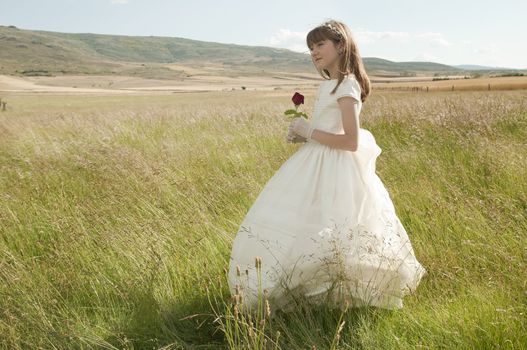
(349, 87)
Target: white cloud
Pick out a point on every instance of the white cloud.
(285, 38)
(367, 36)
(486, 50)
(119, 2)
(425, 57)
(393, 45)
(295, 41)
(434, 39)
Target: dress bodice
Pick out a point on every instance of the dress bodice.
(326, 114)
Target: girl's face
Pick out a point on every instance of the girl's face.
(324, 55)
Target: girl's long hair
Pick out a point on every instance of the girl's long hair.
(350, 60)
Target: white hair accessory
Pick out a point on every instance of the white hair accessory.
(333, 29)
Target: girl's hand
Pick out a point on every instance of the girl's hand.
(301, 127)
(294, 138)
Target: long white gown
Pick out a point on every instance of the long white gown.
(325, 226)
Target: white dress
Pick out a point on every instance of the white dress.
(325, 226)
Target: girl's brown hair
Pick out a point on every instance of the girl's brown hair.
(350, 60)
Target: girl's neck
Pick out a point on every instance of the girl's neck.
(334, 77)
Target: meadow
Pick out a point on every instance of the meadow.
(118, 214)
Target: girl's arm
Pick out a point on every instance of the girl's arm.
(350, 121)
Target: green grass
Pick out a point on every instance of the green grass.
(118, 214)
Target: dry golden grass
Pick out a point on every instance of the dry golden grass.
(496, 83)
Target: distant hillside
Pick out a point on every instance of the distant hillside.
(30, 53)
(384, 67)
(477, 67)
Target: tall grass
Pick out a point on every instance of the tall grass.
(118, 213)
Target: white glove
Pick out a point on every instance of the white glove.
(301, 127)
(294, 138)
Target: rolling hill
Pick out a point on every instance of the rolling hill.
(34, 53)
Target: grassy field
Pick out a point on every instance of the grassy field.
(118, 213)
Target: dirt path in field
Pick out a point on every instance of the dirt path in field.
(17, 84)
(132, 85)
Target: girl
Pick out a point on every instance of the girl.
(324, 227)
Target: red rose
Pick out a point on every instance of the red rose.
(298, 99)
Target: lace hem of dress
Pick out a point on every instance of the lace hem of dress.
(354, 266)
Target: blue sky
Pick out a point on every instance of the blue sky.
(483, 32)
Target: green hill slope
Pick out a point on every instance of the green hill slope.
(30, 52)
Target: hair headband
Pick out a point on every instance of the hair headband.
(333, 29)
